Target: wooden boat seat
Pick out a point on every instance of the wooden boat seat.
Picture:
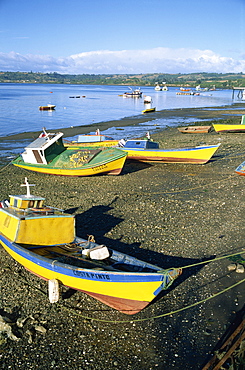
(42, 210)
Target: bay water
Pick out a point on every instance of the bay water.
(78, 105)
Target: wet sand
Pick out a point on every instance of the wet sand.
(168, 214)
(199, 113)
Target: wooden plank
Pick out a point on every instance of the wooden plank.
(240, 330)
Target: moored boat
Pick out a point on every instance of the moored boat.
(118, 280)
(148, 151)
(137, 93)
(195, 129)
(158, 87)
(149, 110)
(47, 154)
(223, 128)
(47, 107)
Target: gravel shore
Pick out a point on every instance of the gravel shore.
(168, 214)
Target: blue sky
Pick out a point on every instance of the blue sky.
(122, 36)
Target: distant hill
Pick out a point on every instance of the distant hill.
(220, 80)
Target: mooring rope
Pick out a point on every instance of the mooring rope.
(73, 310)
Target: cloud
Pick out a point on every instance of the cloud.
(157, 60)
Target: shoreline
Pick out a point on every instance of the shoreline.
(172, 215)
(200, 113)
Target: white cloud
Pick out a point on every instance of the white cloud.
(159, 60)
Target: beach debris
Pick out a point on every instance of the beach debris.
(29, 333)
(40, 329)
(232, 267)
(240, 268)
(5, 327)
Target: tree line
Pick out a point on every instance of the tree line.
(208, 80)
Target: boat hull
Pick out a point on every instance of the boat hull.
(149, 110)
(127, 292)
(197, 155)
(107, 165)
(48, 107)
(229, 128)
(240, 170)
(195, 129)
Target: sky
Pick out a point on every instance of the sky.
(122, 36)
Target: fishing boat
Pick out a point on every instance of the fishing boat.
(47, 107)
(158, 87)
(223, 128)
(137, 93)
(149, 110)
(47, 154)
(56, 255)
(147, 150)
(240, 170)
(195, 129)
(147, 99)
(92, 140)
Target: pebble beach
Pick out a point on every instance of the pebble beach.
(172, 215)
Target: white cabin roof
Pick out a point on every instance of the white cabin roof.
(44, 142)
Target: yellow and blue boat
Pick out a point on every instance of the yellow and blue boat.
(42, 239)
(149, 151)
(47, 154)
(223, 128)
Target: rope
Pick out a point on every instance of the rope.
(72, 310)
(157, 316)
(214, 259)
(4, 167)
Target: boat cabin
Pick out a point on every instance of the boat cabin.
(44, 149)
(141, 144)
(25, 202)
(27, 221)
(92, 138)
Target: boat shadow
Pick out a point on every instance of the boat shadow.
(97, 222)
(134, 166)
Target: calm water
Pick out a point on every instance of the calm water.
(19, 104)
(19, 107)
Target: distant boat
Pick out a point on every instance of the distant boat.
(195, 129)
(147, 99)
(149, 110)
(158, 87)
(47, 154)
(184, 89)
(47, 107)
(187, 93)
(137, 93)
(164, 87)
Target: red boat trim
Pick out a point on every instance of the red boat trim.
(126, 306)
(167, 160)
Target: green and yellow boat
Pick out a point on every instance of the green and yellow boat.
(47, 154)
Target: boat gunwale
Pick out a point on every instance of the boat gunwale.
(31, 256)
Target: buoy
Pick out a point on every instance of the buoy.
(53, 290)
